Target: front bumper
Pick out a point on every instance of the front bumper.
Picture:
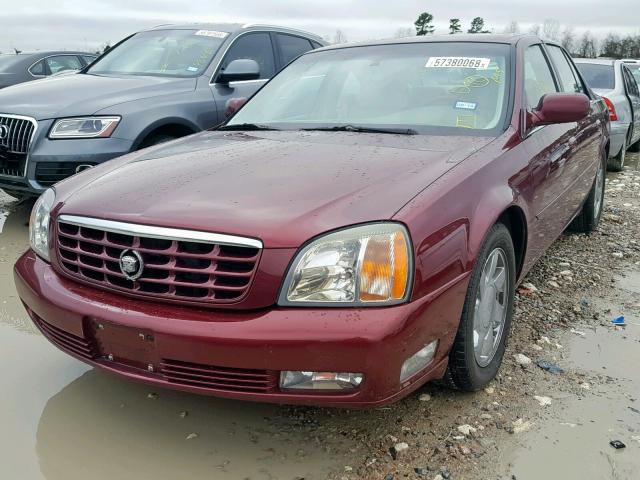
(206, 346)
(65, 153)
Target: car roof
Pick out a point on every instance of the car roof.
(596, 61)
(236, 27)
(506, 38)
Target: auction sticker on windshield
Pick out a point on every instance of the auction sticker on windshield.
(464, 62)
(211, 33)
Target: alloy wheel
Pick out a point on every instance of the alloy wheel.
(490, 310)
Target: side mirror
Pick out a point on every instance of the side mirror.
(559, 108)
(239, 70)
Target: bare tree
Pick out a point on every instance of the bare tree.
(568, 39)
(512, 27)
(404, 32)
(587, 46)
(339, 37)
(551, 29)
(535, 29)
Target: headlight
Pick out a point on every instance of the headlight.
(370, 264)
(85, 127)
(39, 223)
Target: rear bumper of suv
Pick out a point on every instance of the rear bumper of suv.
(237, 354)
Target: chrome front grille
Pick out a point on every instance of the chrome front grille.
(16, 134)
(177, 265)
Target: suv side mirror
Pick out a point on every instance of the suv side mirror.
(239, 70)
(559, 108)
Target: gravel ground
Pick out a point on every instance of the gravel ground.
(470, 436)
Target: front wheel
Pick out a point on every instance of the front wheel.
(479, 345)
(589, 217)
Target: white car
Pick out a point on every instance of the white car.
(614, 81)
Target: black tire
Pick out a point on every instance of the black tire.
(615, 164)
(156, 140)
(589, 217)
(635, 147)
(463, 371)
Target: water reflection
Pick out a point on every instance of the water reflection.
(99, 425)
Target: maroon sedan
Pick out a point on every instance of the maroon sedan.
(357, 229)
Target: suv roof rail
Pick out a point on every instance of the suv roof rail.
(281, 27)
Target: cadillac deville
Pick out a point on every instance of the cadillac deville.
(356, 229)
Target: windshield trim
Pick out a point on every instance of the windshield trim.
(499, 129)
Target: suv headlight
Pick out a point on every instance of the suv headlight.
(39, 223)
(365, 265)
(84, 127)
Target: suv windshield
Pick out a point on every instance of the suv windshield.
(597, 75)
(450, 87)
(171, 53)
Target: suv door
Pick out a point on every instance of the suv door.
(631, 88)
(252, 45)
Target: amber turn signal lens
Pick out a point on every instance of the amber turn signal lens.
(385, 268)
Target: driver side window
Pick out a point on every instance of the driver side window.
(254, 46)
(538, 79)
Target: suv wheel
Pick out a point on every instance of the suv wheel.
(479, 345)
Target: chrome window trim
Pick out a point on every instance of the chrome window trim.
(34, 122)
(50, 56)
(162, 233)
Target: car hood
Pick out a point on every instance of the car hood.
(281, 187)
(84, 94)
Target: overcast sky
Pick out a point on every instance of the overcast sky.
(81, 24)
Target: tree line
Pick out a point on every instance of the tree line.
(586, 45)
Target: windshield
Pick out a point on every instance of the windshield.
(635, 70)
(598, 76)
(423, 87)
(8, 61)
(171, 53)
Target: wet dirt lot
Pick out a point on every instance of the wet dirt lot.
(63, 420)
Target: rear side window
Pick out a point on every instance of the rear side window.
(253, 46)
(292, 47)
(38, 68)
(598, 76)
(88, 59)
(63, 62)
(538, 79)
(632, 86)
(569, 82)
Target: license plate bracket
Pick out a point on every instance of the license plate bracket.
(134, 347)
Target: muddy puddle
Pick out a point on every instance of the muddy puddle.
(573, 442)
(62, 420)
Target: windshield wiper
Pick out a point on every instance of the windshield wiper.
(246, 126)
(354, 128)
